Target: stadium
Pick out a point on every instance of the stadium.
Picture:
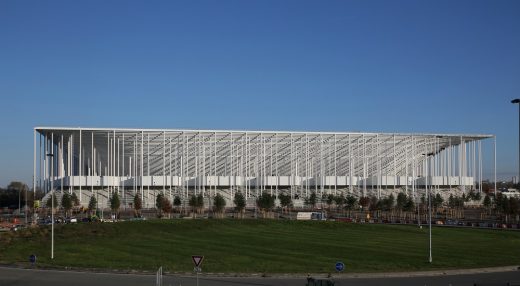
(99, 161)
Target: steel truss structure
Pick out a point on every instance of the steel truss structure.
(188, 161)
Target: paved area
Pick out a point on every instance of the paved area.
(16, 276)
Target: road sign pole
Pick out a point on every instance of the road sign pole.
(197, 278)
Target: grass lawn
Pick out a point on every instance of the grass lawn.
(259, 246)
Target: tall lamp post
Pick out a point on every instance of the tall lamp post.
(50, 155)
(517, 101)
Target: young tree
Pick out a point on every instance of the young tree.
(364, 202)
(311, 200)
(437, 201)
(200, 203)
(193, 204)
(350, 203)
(401, 201)
(487, 202)
(285, 201)
(409, 205)
(166, 206)
(115, 204)
(159, 201)
(240, 203)
(50, 202)
(374, 203)
(177, 202)
(329, 199)
(92, 205)
(138, 205)
(219, 203)
(75, 200)
(66, 203)
(265, 203)
(339, 200)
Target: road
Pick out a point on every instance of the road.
(28, 277)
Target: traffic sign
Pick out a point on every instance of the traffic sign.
(340, 266)
(197, 260)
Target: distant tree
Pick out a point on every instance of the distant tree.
(401, 201)
(311, 200)
(193, 203)
(409, 205)
(487, 202)
(265, 203)
(285, 201)
(219, 203)
(350, 203)
(388, 202)
(240, 203)
(329, 199)
(16, 195)
(177, 202)
(115, 203)
(92, 205)
(373, 203)
(138, 205)
(437, 201)
(159, 201)
(74, 199)
(49, 202)
(66, 203)
(364, 202)
(339, 200)
(200, 203)
(166, 206)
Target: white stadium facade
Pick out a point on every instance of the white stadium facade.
(99, 161)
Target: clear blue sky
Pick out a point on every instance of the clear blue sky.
(392, 66)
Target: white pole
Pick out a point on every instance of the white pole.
(34, 174)
(52, 195)
(495, 159)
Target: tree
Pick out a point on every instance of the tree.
(219, 203)
(374, 203)
(74, 199)
(200, 203)
(487, 202)
(311, 200)
(16, 195)
(329, 199)
(339, 200)
(364, 202)
(437, 201)
(166, 206)
(193, 204)
(66, 203)
(115, 203)
(240, 203)
(159, 201)
(177, 202)
(285, 201)
(138, 205)
(50, 202)
(92, 204)
(350, 203)
(401, 201)
(265, 203)
(409, 205)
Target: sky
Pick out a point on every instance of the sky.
(375, 66)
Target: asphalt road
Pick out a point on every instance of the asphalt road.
(27, 277)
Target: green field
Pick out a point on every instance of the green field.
(261, 246)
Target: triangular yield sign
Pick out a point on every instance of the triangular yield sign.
(197, 260)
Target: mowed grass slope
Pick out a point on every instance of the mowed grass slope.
(240, 246)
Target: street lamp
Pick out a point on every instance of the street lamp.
(515, 101)
(50, 155)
